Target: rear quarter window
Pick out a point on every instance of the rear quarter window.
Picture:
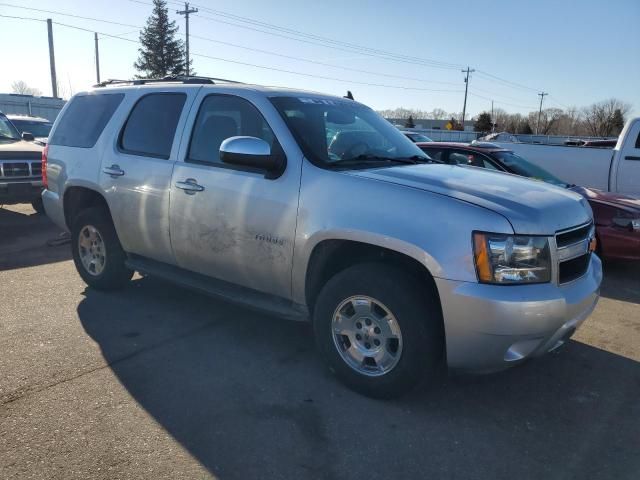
(84, 120)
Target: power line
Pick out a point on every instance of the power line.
(257, 65)
(502, 103)
(235, 45)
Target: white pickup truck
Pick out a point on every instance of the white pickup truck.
(616, 170)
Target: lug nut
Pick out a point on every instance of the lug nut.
(367, 345)
(358, 336)
(376, 342)
(377, 330)
(358, 325)
(367, 321)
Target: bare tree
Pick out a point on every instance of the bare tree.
(21, 87)
(438, 114)
(549, 119)
(600, 118)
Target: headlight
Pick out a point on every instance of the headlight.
(509, 259)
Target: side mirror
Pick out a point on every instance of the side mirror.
(28, 136)
(252, 152)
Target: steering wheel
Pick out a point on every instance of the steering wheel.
(358, 148)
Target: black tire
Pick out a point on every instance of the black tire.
(417, 311)
(115, 273)
(38, 206)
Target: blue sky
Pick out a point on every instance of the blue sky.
(578, 51)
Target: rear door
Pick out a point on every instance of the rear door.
(136, 170)
(628, 176)
(240, 226)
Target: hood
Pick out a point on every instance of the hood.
(616, 200)
(532, 207)
(19, 150)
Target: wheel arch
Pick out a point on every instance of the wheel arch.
(78, 198)
(332, 255)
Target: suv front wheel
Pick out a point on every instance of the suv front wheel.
(97, 253)
(379, 329)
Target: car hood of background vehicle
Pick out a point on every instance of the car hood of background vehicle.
(532, 207)
(615, 200)
(19, 150)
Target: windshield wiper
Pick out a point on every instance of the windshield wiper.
(369, 158)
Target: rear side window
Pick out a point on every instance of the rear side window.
(151, 125)
(84, 120)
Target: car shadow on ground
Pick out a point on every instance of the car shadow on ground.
(247, 395)
(621, 281)
(28, 239)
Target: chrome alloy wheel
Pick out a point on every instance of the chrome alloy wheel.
(92, 250)
(367, 335)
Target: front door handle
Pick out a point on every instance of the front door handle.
(631, 157)
(190, 186)
(113, 170)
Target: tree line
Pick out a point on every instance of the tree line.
(600, 119)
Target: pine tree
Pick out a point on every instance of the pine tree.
(483, 123)
(410, 123)
(161, 54)
(617, 121)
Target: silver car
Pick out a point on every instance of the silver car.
(315, 208)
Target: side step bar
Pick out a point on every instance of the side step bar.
(248, 297)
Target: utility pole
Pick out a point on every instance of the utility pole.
(52, 60)
(493, 122)
(466, 88)
(541, 95)
(186, 13)
(95, 38)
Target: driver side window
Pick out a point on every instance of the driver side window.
(221, 117)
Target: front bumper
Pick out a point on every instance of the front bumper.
(491, 327)
(20, 191)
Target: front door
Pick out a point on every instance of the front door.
(628, 178)
(227, 222)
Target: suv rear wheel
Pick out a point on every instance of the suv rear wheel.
(97, 252)
(378, 329)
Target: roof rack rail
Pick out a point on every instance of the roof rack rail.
(168, 79)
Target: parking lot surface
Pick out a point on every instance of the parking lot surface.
(160, 382)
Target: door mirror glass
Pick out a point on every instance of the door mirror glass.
(28, 136)
(251, 152)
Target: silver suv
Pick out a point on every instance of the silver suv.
(316, 208)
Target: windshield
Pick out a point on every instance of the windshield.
(334, 132)
(7, 130)
(418, 137)
(523, 167)
(38, 129)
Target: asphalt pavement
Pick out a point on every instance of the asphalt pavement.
(157, 381)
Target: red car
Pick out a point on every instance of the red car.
(617, 217)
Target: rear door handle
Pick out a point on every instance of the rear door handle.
(631, 157)
(113, 170)
(190, 186)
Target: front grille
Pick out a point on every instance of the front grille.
(572, 236)
(573, 252)
(20, 169)
(15, 169)
(574, 268)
